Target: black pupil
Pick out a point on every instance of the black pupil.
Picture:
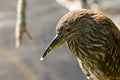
(68, 30)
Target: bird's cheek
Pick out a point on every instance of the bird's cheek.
(69, 36)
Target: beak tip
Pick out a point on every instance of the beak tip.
(41, 58)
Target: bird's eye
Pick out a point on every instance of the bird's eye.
(68, 30)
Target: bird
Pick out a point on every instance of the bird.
(95, 41)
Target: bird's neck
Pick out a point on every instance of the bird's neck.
(87, 46)
(95, 50)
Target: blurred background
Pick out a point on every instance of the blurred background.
(42, 16)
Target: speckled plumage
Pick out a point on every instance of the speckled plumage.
(95, 40)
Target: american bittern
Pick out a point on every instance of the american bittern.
(94, 39)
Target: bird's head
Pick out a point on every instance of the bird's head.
(71, 24)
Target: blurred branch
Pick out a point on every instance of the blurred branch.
(21, 26)
(79, 4)
(74, 4)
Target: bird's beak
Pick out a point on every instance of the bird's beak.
(56, 42)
